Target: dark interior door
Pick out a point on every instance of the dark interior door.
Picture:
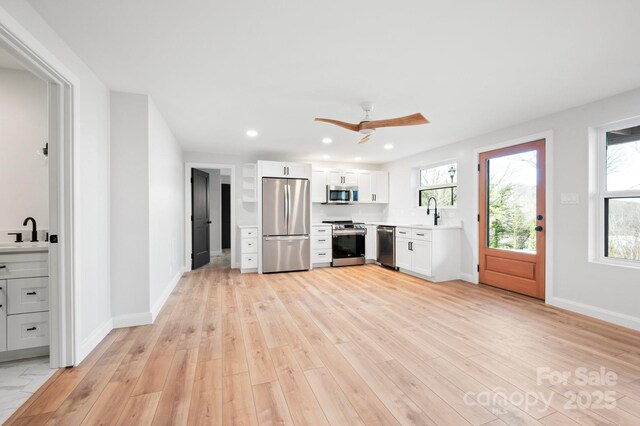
(225, 195)
(200, 221)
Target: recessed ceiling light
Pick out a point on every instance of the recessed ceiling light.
(252, 133)
(327, 140)
(388, 146)
(326, 156)
(358, 158)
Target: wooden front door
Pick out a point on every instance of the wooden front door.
(200, 221)
(512, 218)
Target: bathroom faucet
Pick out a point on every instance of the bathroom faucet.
(436, 216)
(34, 229)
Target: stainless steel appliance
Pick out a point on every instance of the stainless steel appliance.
(342, 194)
(348, 242)
(387, 246)
(285, 225)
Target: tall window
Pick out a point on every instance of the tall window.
(621, 194)
(439, 182)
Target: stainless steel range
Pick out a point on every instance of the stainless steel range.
(348, 242)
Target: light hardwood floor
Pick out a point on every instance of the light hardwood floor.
(354, 345)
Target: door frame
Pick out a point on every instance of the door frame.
(549, 203)
(64, 337)
(187, 208)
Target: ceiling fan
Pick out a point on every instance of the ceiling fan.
(367, 126)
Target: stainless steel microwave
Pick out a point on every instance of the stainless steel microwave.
(342, 194)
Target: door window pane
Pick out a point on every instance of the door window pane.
(623, 159)
(623, 228)
(512, 184)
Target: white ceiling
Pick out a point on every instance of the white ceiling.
(218, 68)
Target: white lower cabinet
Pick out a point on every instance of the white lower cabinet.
(371, 243)
(321, 239)
(248, 249)
(430, 253)
(27, 330)
(24, 301)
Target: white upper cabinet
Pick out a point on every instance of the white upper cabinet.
(342, 177)
(319, 186)
(373, 185)
(380, 187)
(284, 169)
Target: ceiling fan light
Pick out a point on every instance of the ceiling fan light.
(367, 131)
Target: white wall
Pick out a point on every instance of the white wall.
(147, 197)
(605, 291)
(166, 213)
(91, 172)
(129, 204)
(24, 176)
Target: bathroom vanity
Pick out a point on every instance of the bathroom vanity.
(24, 298)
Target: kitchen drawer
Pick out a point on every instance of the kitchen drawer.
(21, 265)
(403, 232)
(249, 261)
(319, 242)
(249, 233)
(27, 330)
(422, 234)
(321, 230)
(321, 256)
(249, 245)
(26, 295)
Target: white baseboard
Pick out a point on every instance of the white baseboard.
(155, 310)
(467, 277)
(617, 318)
(132, 320)
(215, 253)
(92, 341)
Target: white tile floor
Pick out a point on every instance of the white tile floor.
(20, 379)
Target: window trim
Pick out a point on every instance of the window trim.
(439, 186)
(602, 195)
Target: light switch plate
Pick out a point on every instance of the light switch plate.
(569, 198)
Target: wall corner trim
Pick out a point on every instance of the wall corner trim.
(613, 317)
(93, 340)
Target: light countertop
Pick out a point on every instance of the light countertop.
(25, 247)
(417, 225)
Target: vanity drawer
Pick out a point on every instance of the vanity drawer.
(249, 245)
(249, 261)
(320, 242)
(249, 233)
(403, 232)
(422, 234)
(321, 230)
(27, 330)
(321, 256)
(21, 265)
(26, 295)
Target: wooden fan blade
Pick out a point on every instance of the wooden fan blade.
(349, 126)
(409, 120)
(365, 139)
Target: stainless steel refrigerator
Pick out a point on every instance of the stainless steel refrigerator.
(286, 225)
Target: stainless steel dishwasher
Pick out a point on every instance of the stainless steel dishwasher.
(387, 246)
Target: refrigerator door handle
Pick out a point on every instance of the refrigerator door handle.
(289, 208)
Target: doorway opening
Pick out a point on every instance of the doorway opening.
(210, 215)
(512, 228)
(36, 233)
